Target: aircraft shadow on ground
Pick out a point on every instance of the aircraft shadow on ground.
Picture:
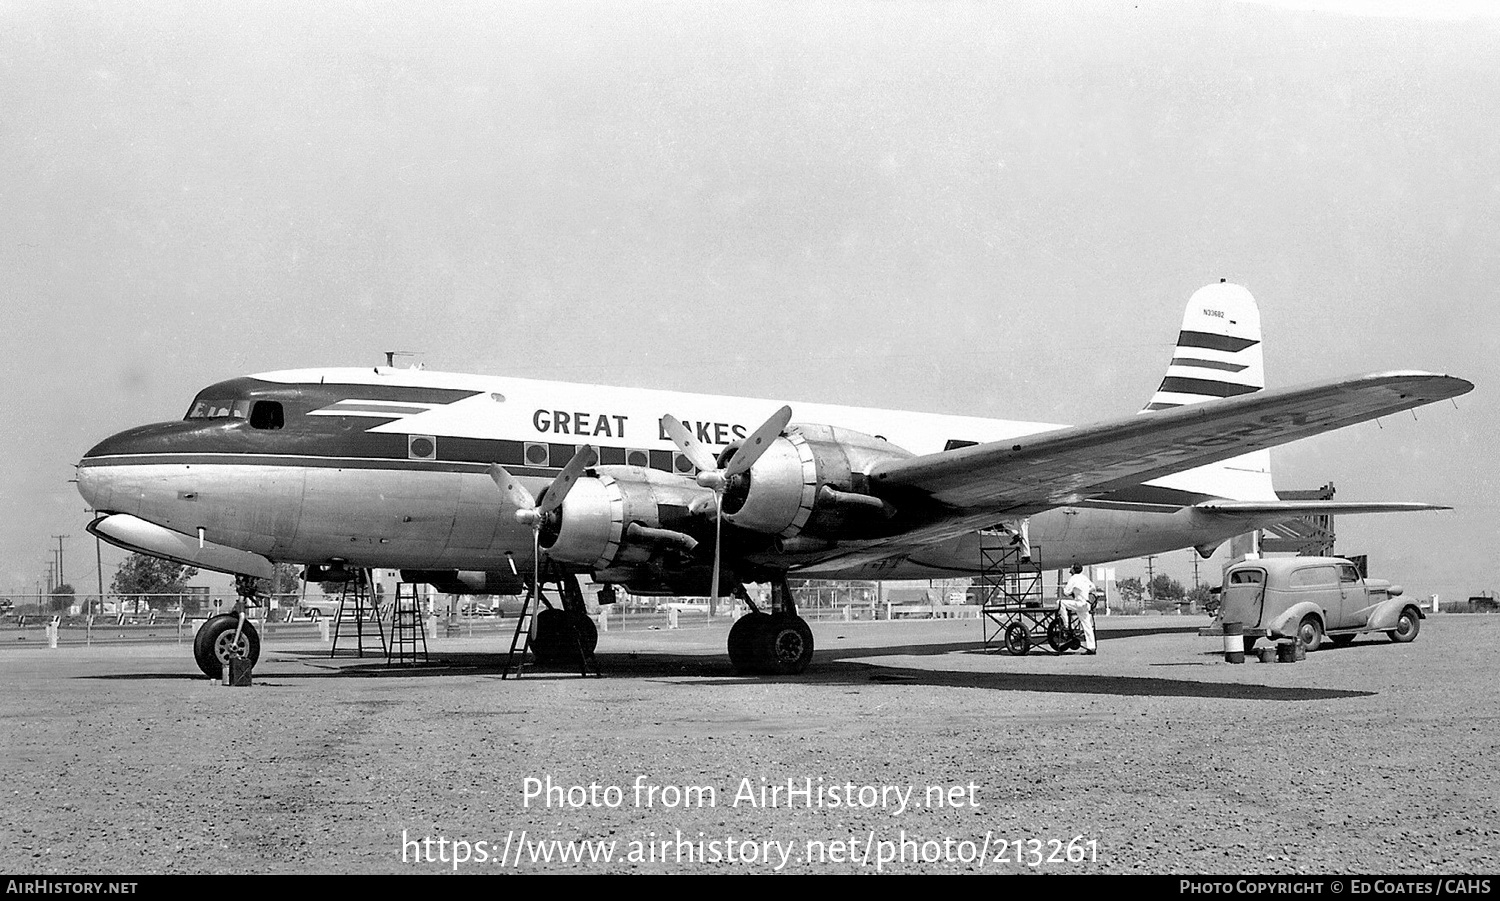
(842, 667)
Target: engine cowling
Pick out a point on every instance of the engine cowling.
(811, 480)
(625, 516)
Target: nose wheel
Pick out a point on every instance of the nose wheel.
(221, 639)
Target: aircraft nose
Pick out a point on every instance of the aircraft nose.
(103, 464)
(93, 484)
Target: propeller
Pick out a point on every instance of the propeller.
(712, 476)
(528, 513)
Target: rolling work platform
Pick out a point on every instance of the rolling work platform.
(1012, 605)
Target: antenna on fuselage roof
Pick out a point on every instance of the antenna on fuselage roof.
(391, 355)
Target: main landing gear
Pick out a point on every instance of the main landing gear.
(778, 643)
(229, 635)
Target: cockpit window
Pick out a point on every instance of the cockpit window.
(219, 408)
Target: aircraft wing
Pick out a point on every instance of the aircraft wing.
(1065, 466)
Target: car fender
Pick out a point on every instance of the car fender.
(1284, 625)
(1383, 617)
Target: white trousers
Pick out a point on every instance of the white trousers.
(1080, 610)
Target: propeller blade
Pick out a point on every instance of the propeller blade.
(758, 442)
(696, 452)
(713, 589)
(515, 493)
(567, 479)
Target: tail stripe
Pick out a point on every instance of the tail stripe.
(1214, 342)
(1204, 387)
(1208, 364)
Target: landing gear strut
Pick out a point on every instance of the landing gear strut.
(229, 635)
(778, 643)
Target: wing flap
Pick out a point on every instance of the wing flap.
(1065, 466)
(1312, 508)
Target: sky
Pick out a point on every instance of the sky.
(988, 209)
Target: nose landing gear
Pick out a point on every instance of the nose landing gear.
(229, 635)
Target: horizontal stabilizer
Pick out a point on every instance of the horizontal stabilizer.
(1312, 508)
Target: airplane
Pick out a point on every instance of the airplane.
(474, 484)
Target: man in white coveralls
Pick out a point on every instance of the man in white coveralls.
(1075, 603)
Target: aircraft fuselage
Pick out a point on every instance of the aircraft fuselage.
(389, 468)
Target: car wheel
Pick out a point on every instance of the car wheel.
(1408, 624)
(1017, 640)
(1310, 632)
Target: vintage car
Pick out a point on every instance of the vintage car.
(1308, 598)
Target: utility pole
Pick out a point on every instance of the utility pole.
(1150, 573)
(60, 557)
(99, 564)
(1194, 555)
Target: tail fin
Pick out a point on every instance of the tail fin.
(1218, 350)
(1218, 354)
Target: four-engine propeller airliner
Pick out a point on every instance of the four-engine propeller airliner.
(462, 481)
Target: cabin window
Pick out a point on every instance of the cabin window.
(1247, 577)
(1348, 573)
(267, 414)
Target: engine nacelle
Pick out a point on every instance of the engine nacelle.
(624, 516)
(811, 479)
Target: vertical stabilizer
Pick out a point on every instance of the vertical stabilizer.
(1218, 351)
(1218, 354)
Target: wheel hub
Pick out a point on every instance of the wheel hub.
(788, 645)
(228, 647)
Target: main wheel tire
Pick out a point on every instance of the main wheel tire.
(1059, 635)
(1408, 624)
(1310, 632)
(554, 641)
(1017, 639)
(785, 645)
(214, 644)
(743, 641)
